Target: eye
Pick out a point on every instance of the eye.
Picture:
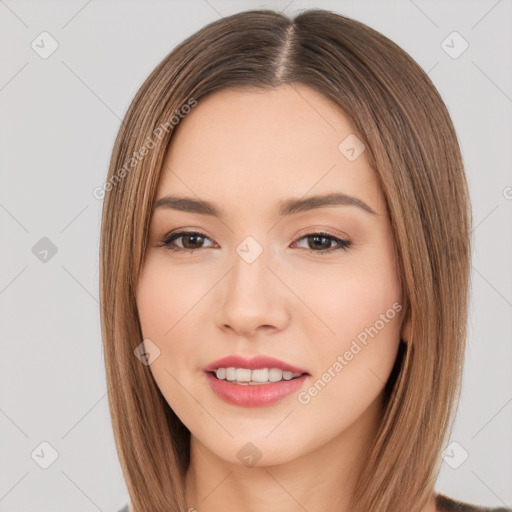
(323, 240)
(193, 240)
(190, 241)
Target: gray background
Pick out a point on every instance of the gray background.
(58, 120)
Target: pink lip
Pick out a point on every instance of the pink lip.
(253, 363)
(258, 395)
(248, 395)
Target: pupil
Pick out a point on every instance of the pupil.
(186, 237)
(316, 237)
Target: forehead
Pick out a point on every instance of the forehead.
(263, 146)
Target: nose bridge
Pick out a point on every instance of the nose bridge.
(250, 295)
(250, 273)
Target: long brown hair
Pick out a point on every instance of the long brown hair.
(412, 147)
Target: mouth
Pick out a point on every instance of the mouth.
(254, 382)
(253, 393)
(254, 377)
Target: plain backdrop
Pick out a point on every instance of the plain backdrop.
(59, 116)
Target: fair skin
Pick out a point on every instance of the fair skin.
(245, 151)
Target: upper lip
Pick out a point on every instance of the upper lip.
(253, 363)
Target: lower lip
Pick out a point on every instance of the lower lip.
(249, 395)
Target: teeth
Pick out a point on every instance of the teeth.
(260, 375)
(254, 377)
(275, 374)
(243, 375)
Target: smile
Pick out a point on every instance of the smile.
(246, 376)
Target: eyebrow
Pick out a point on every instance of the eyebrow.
(285, 207)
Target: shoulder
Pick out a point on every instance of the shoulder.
(126, 508)
(446, 504)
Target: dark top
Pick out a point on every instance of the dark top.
(443, 504)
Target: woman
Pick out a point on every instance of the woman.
(285, 263)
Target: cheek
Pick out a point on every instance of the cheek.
(354, 364)
(360, 308)
(346, 300)
(165, 303)
(162, 303)
(367, 303)
(167, 299)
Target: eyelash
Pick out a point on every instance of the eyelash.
(169, 240)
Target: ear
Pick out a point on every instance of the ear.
(405, 334)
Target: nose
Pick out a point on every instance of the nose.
(252, 299)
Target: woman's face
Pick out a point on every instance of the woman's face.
(258, 281)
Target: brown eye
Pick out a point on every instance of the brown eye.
(321, 242)
(191, 240)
